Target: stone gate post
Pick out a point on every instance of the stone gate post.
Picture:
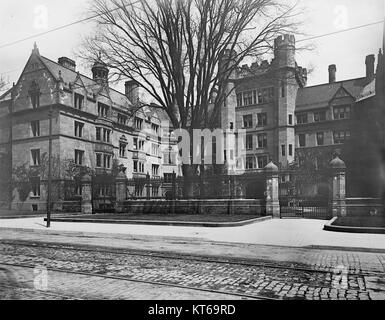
(120, 191)
(338, 187)
(86, 194)
(272, 190)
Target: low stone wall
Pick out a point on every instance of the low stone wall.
(252, 207)
(358, 207)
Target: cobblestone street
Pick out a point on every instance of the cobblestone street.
(85, 272)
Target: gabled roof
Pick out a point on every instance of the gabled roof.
(6, 95)
(69, 76)
(319, 96)
(368, 91)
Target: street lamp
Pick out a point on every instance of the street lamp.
(49, 169)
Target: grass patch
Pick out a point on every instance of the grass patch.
(361, 222)
(170, 217)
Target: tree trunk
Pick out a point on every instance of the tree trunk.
(190, 176)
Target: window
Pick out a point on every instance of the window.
(122, 119)
(319, 116)
(320, 138)
(262, 140)
(155, 170)
(138, 166)
(155, 149)
(231, 125)
(138, 144)
(154, 128)
(265, 95)
(35, 128)
(106, 135)
(302, 140)
(249, 142)
(107, 161)
(35, 184)
(261, 119)
(35, 157)
(290, 150)
(341, 136)
(122, 149)
(283, 150)
(103, 110)
(34, 93)
(79, 100)
(239, 100)
(302, 118)
(98, 160)
(103, 160)
(248, 98)
(290, 119)
(262, 162)
(250, 163)
(341, 112)
(79, 129)
(98, 134)
(258, 96)
(138, 123)
(79, 157)
(248, 121)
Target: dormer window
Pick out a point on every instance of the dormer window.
(79, 100)
(122, 119)
(102, 110)
(34, 93)
(138, 123)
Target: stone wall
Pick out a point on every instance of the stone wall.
(363, 207)
(252, 207)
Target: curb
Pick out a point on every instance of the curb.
(165, 223)
(329, 227)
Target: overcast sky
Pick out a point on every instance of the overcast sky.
(22, 18)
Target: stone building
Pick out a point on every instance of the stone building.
(93, 126)
(293, 124)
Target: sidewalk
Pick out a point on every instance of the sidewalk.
(276, 232)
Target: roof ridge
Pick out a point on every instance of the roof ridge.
(83, 75)
(341, 81)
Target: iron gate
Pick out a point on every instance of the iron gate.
(305, 208)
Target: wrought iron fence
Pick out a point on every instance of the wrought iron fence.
(305, 195)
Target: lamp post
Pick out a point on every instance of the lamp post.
(49, 169)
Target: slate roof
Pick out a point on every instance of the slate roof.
(368, 91)
(319, 96)
(69, 76)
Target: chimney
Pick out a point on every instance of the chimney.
(132, 91)
(67, 63)
(332, 73)
(369, 61)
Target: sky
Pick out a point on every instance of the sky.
(23, 18)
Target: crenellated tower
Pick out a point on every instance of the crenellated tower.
(288, 77)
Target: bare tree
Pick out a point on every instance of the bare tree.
(181, 52)
(3, 85)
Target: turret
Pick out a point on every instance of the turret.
(284, 51)
(227, 64)
(100, 71)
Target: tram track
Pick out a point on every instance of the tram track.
(17, 265)
(182, 256)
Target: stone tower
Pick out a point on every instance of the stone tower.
(286, 80)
